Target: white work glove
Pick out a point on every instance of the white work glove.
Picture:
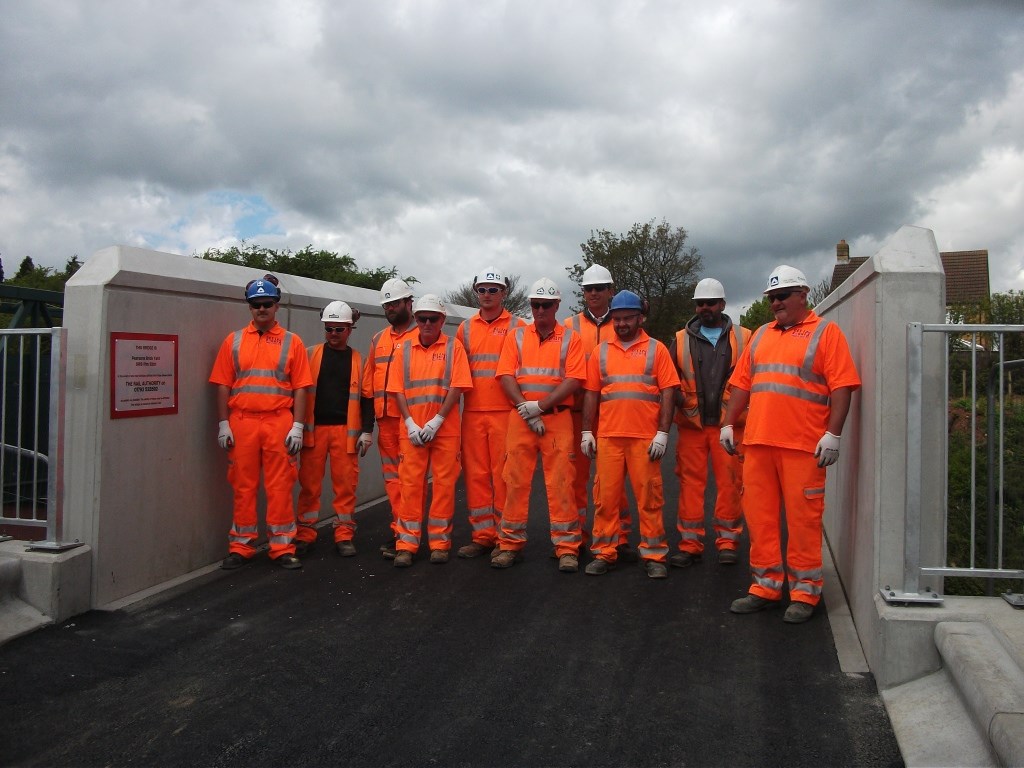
(293, 440)
(225, 436)
(588, 444)
(827, 450)
(414, 432)
(536, 424)
(726, 439)
(364, 442)
(529, 409)
(429, 431)
(658, 445)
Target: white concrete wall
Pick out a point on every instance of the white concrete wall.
(149, 495)
(865, 493)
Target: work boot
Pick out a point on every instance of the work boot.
(303, 548)
(402, 559)
(752, 604)
(388, 551)
(289, 562)
(439, 556)
(727, 557)
(656, 570)
(495, 552)
(473, 550)
(568, 564)
(683, 559)
(597, 567)
(346, 548)
(232, 561)
(506, 558)
(627, 554)
(798, 613)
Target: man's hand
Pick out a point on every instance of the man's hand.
(726, 439)
(225, 436)
(363, 443)
(529, 409)
(429, 430)
(658, 445)
(536, 424)
(414, 431)
(293, 441)
(827, 451)
(588, 444)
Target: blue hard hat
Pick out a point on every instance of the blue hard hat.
(626, 300)
(262, 289)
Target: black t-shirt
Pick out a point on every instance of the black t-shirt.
(331, 405)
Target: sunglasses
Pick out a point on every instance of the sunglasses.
(595, 288)
(424, 319)
(261, 304)
(337, 328)
(780, 296)
(542, 304)
(492, 289)
(706, 302)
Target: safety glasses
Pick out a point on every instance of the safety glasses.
(595, 288)
(780, 296)
(492, 289)
(706, 302)
(542, 304)
(261, 304)
(337, 328)
(425, 319)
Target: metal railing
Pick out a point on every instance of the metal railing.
(32, 368)
(1002, 561)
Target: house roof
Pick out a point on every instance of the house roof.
(967, 279)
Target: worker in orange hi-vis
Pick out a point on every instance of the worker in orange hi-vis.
(396, 299)
(594, 325)
(430, 376)
(261, 373)
(485, 411)
(541, 368)
(635, 382)
(339, 411)
(705, 352)
(798, 378)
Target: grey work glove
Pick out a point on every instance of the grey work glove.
(225, 437)
(588, 445)
(363, 443)
(529, 409)
(536, 424)
(414, 431)
(293, 440)
(429, 431)
(658, 445)
(827, 451)
(726, 438)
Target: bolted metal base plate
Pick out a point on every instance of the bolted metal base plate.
(897, 597)
(1017, 601)
(52, 546)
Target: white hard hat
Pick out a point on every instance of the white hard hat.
(785, 276)
(490, 275)
(595, 274)
(428, 302)
(545, 289)
(394, 289)
(709, 288)
(336, 312)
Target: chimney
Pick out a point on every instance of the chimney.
(842, 252)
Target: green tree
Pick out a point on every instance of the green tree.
(757, 314)
(516, 301)
(310, 262)
(652, 260)
(1, 270)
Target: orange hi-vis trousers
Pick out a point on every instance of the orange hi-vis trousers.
(615, 457)
(328, 440)
(772, 477)
(556, 448)
(259, 445)
(441, 458)
(581, 483)
(389, 429)
(483, 459)
(693, 449)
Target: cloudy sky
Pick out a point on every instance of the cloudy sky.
(441, 136)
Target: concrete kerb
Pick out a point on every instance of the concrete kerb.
(42, 587)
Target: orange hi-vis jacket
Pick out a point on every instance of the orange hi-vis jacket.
(483, 342)
(689, 417)
(378, 367)
(425, 376)
(790, 373)
(262, 370)
(630, 382)
(357, 386)
(591, 335)
(540, 366)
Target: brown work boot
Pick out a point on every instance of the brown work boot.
(683, 559)
(403, 559)
(506, 558)
(752, 604)
(727, 557)
(798, 613)
(346, 548)
(439, 556)
(473, 550)
(655, 570)
(388, 551)
(568, 564)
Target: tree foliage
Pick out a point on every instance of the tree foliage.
(757, 314)
(516, 300)
(43, 278)
(310, 262)
(652, 260)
